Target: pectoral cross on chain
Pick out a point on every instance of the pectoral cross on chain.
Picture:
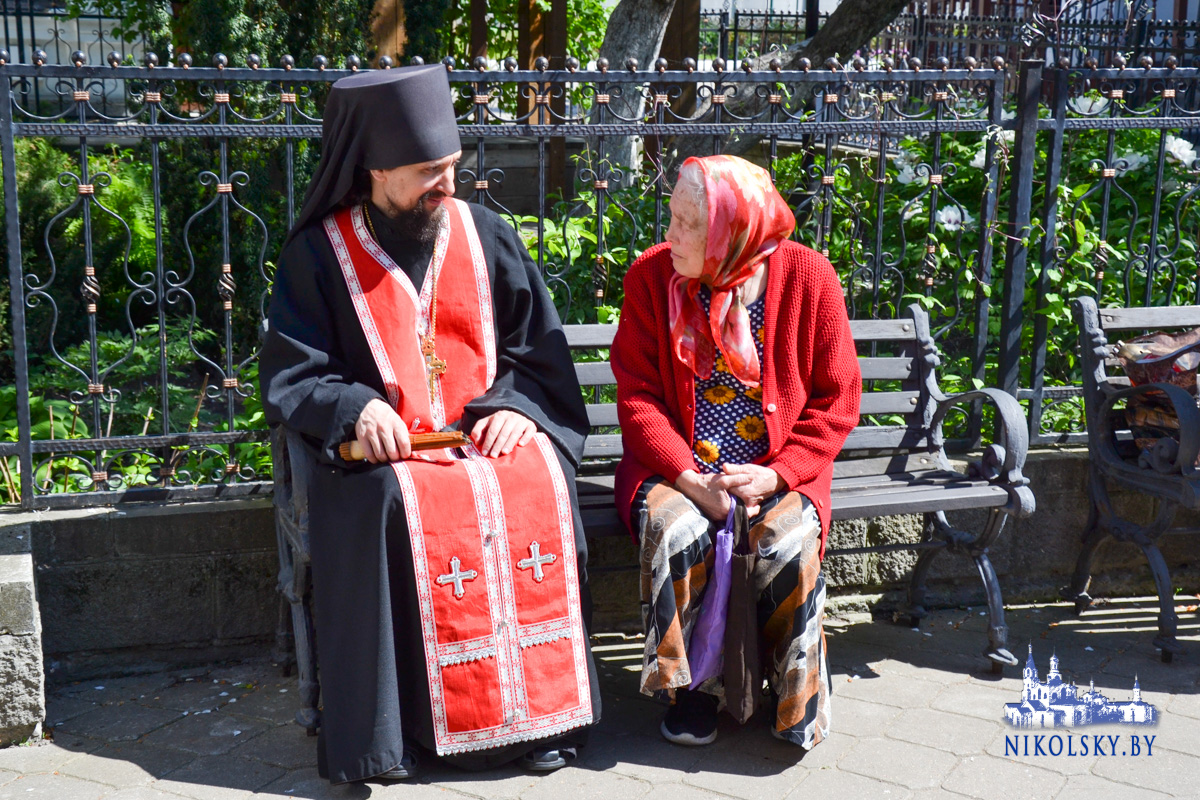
(536, 560)
(434, 366)
(456, 576)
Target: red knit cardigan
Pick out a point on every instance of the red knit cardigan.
(811, 381)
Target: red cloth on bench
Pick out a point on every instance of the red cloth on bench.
(811, 379)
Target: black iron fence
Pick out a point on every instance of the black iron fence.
(44, 28)
(735, 34)
(141, 244)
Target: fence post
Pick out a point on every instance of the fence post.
(1017, 248)
(723, 32)
(16, 288)
(1049, 248)
(989, 213)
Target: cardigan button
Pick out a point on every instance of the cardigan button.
(770, 408)
(820, 503)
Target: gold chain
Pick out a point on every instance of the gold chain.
(428, 349)
(370, 225)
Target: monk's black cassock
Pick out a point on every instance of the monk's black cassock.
(317, 374)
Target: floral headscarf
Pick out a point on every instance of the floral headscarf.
(747, 219)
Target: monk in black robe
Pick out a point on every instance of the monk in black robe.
(389, 153)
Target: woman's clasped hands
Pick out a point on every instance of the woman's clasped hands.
(712, 493)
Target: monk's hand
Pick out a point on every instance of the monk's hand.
(711, 493)
(763, 483)
(382, 434)
(497, 434)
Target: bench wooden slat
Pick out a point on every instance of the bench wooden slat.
(1112, 319)
(897, 496)
(589, 336)
(883, 465)
(594, 484)
(594, 373)
(886, 437)
(606, 445)
(885, 368)
(864, 437)
(889, 402)
(602, 415)
(847, 490)
(599, 373)
(917, 500)
(595, 336)
(883, 329)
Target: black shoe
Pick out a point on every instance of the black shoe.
(407, 769)
(692, 720)
(546, 758)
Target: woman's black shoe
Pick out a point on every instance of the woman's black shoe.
(692, 720)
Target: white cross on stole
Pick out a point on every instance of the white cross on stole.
(536, 560)
(456, 576)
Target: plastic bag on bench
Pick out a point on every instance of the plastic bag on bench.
(1158, 358)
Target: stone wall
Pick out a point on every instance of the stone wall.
(22, 680)
(141, 588)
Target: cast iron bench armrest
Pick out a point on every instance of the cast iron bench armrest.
(1185, 409)
(1001, 462)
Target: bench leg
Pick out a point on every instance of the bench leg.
(916, 586)
(309, 716)
(284, 653)
(1168, 621)
(997, 649)
(1095, 531)
(976, 547)
(1082, 580)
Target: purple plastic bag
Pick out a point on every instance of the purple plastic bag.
(708, 635)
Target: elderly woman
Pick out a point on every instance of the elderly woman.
(737, 381)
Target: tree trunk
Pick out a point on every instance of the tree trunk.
(635, 30)
(853, 24)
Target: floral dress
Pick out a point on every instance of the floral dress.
(729, 427)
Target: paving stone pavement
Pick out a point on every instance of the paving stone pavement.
(915, 715)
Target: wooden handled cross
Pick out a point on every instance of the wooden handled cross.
(352, 450)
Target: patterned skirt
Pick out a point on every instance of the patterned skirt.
(676, 556)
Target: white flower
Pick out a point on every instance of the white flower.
(1130, 162)
(911, 210)
(953, 218)
(908, 175)
(1006, 115)
(1091, 106)
(906, 158)
(980, 159)
(998, 135)
(1181, 150)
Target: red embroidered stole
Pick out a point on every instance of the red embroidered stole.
(493, 539)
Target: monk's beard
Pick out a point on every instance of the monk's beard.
(417, 223)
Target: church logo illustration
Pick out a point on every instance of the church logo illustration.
(1054, 704)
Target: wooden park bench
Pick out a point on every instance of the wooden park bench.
(1114, 458)
(884, 469)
